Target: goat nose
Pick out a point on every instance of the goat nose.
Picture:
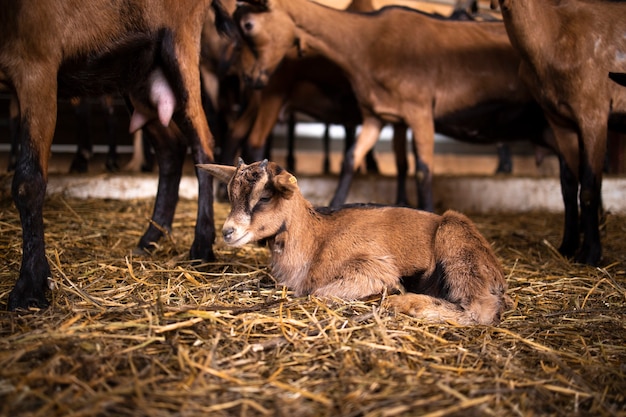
(248, 80)
(228, 233)
(259, 83)
(255, 82)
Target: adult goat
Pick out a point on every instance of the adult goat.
(567, 48)
(455, 77)
(312, 85)
(145, 48)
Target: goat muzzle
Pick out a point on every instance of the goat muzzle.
(257, 82)
(228, 234)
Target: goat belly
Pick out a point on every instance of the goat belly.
(120, 68)
(494, 121)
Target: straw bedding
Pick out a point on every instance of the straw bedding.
(130, 335)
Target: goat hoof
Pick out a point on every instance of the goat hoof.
(112, 166)
(409, 304)
(79, 166)
(588, 256)
(19, 301)
(201, 252)
(141, 251)
(568, 250)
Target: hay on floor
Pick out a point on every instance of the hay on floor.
(131, 335)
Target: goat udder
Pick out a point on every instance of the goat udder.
(161, 96)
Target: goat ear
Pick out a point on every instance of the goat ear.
(223, 173)
(286, 184)
(224, 22)
(259, 5)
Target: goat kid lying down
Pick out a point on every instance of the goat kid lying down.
(446, 266)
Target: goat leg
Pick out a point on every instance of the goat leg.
(291, 140)
(402, 165)
(14, 122)
(326, 148)
(170, 154)
(170, 146)
(170, 149)
(584, 168)
(193, 124)
(590, 205)
(424, 149)
(29, 187)
(569, 191)
(84, 153)
(591, 190)
(202, 245)
(345, 180)
(505, 161)
(111, 163)
(370, 131)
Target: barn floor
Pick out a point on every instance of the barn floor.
(139, 335)
(132, 335)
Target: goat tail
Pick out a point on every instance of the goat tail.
(472, 281)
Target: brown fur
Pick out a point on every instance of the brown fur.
(311, 86)
(359, 251)
(317, 87)
(404, 67)
(567, 48)
(74, 48)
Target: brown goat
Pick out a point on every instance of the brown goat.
(456, 78)
(312, 85)
(567, 48)
(147, 49)
(317, 87)
(357, 251)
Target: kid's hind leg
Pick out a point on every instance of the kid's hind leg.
(473, 288)
(430, 309)
(472, 275)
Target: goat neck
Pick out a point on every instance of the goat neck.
(294, 246)
(529, 25)
(325, 30)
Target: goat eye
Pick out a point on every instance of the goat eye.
(247, 26)
(261, 203)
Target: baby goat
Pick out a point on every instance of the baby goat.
(447, 266)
